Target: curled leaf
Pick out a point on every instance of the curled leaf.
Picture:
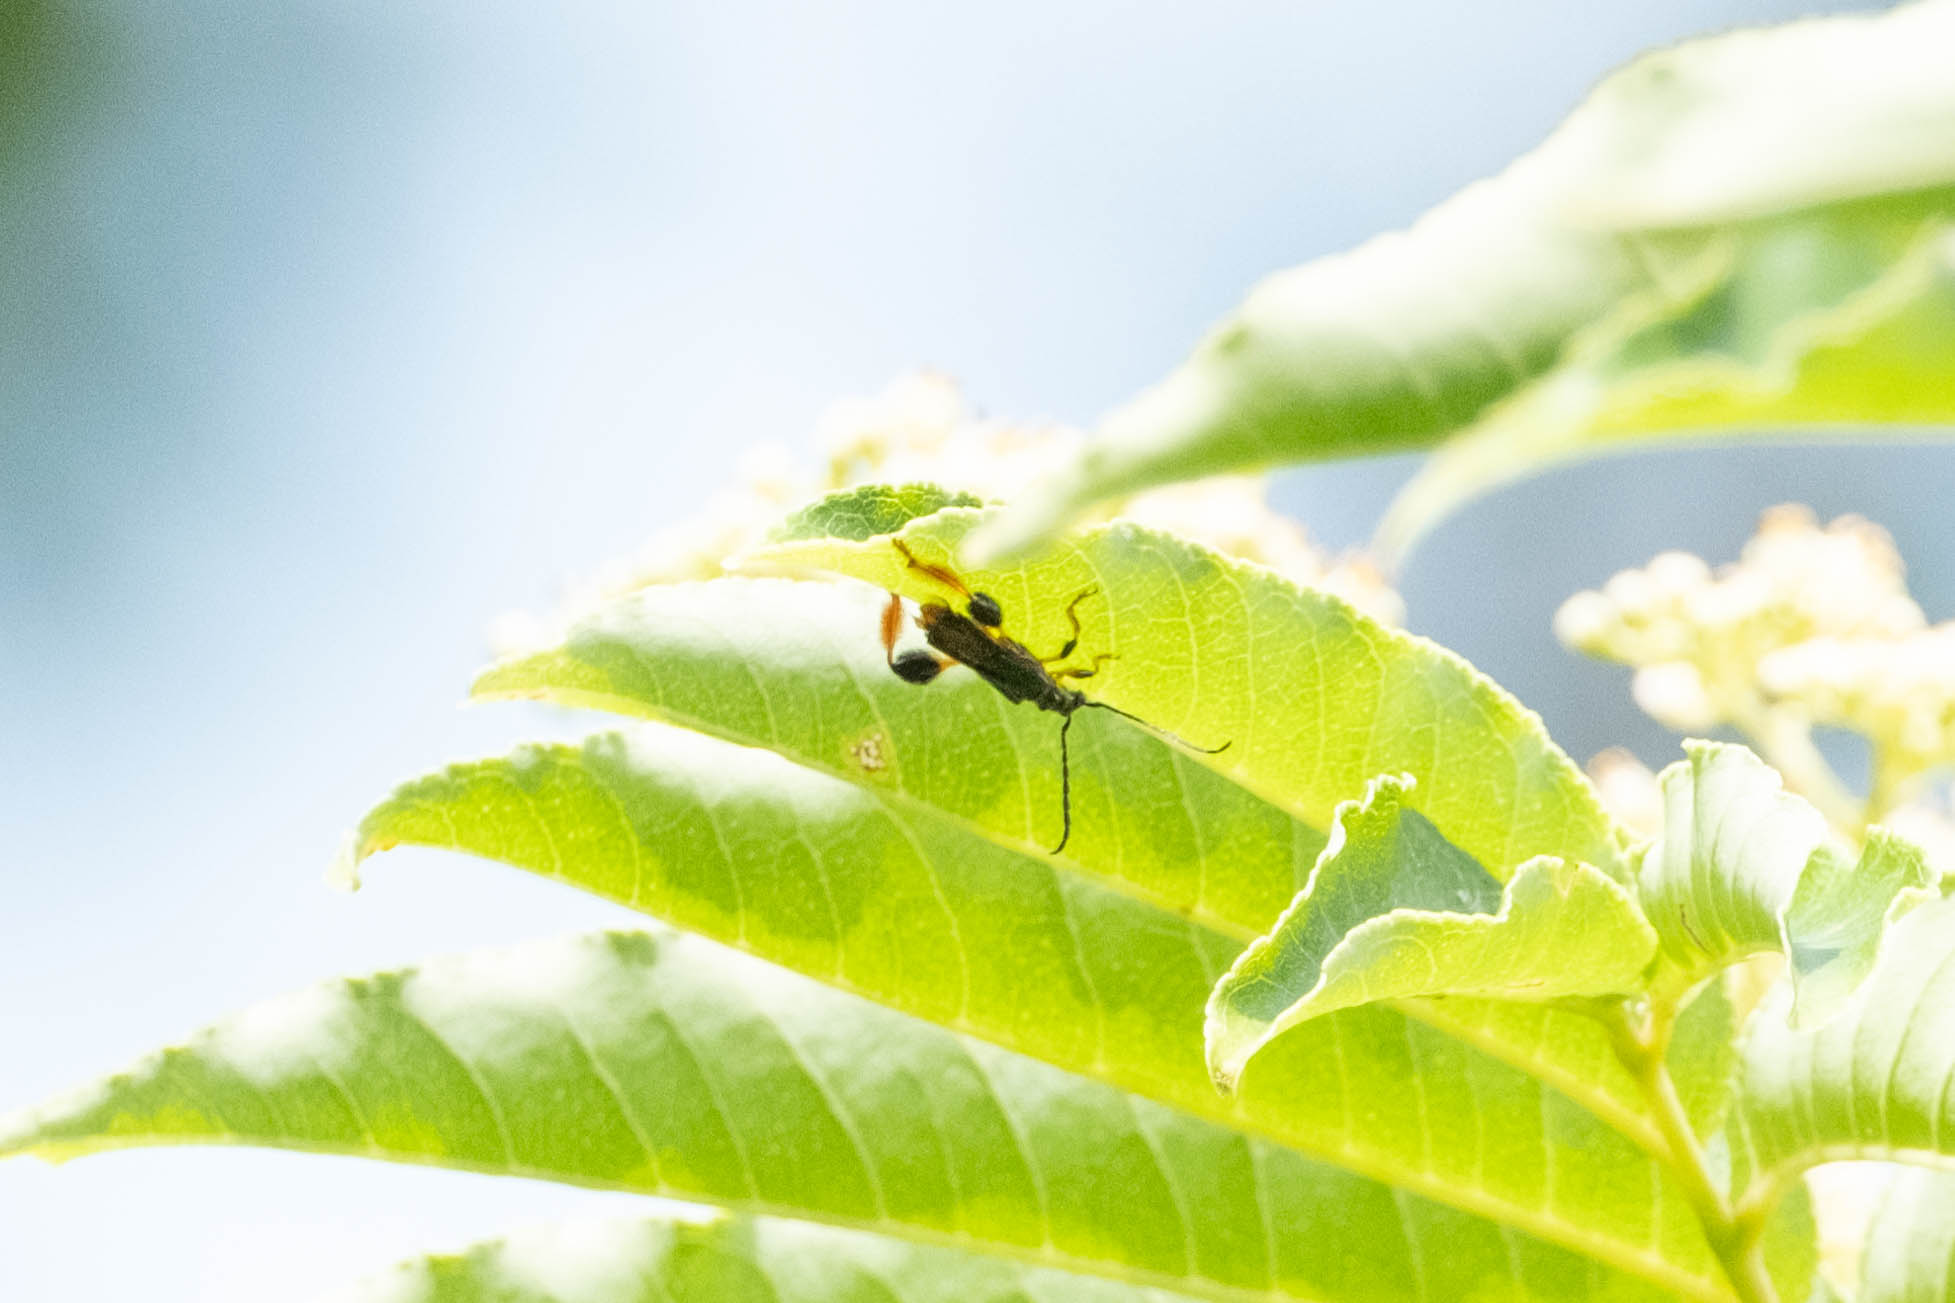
(1811, 324)
(1874, 1080)
(1742, 233)
(1394, 910)
(1742, 866)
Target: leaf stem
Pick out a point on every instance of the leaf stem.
(1641, 1043)
(1889, 787)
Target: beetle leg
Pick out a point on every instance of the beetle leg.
(1072, 643)
(1065, 789)
(1076, 673)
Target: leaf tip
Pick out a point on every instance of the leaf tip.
(1225, 1047)
(1225, 1071)
(343, 873)
(16, 1130)
(493, 684)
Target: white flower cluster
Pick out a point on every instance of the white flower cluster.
(1231, 513)
(920, 429)
(1809, 626)
(1698, 638)
(1899, 691)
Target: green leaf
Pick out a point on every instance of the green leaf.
(1096, 961)
(667, 1065)
(1910, 1253)
(1743, 866)
(1839, 913)
(1566, 1050)
(1394, 910)
(1739, 214)
(1313, 699)
(796, 668)
(1702, 1056)
(1874, 1081)
(890, 899)
(726, 1260)
(865, 512)
(1789, 1245)
(1808, 325)
(881, 897)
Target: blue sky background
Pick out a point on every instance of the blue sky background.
(330, 330)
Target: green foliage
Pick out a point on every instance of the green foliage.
(915, 872)
(1872, 1082)
(1701, 249)
(1501, 1049)
(1744, 867)
(1703, 1054)
(1394, 910)
(1448, 1127)
(1313, 699)
(650, 1062)
(1828, 322)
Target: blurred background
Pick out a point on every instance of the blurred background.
(328, 331)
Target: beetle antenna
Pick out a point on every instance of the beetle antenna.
(1156, 729)
(1065, 788)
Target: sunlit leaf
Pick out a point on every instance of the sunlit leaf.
(1734, 233)
(1874, 1081)
(796, 668)
(1394, 910)
(1809, 325)
(667, 1065)
(1312, 699)
(891, 899)
(1743, 866)
(1703, 1055)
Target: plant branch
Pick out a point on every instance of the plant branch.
(1641, 1044)
(1891, 781)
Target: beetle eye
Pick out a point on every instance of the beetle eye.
(916, 666)
(986, 611)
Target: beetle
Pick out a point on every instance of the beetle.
(975, 638)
